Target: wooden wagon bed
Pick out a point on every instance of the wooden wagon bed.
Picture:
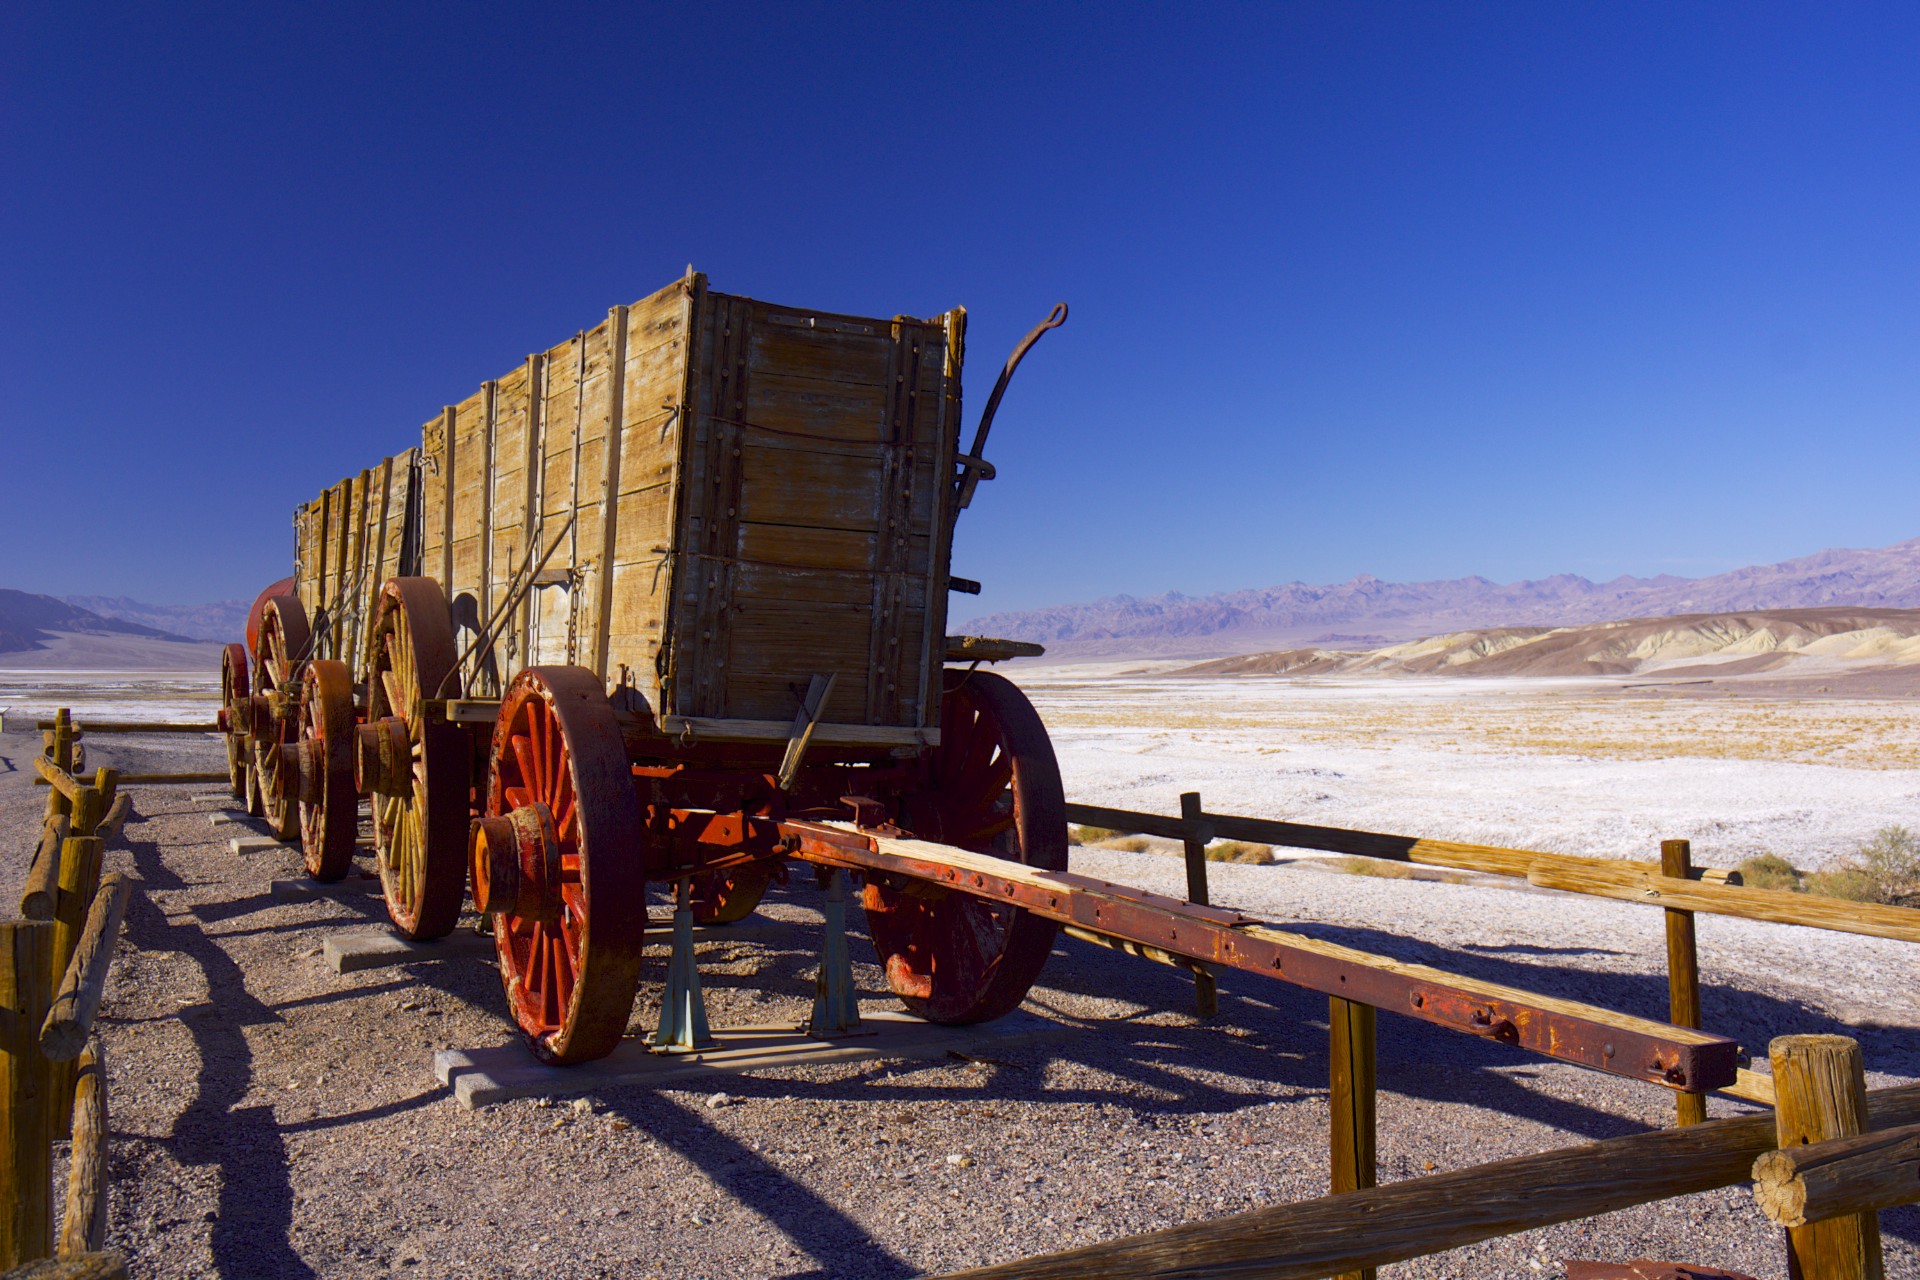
(706, 499)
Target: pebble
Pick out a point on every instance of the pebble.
(583, 1106)
(717, 1101)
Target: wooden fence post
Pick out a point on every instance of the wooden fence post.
(26, 1154)
(1821, 1093)
(1683, 968)
(1350, 1036)
(1206, 992)
(60, 751)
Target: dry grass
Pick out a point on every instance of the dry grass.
(1886, 869)
(1243, 851)
(1769, 871)
(1386, 870)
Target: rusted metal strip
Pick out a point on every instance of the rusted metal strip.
(1584, 1034)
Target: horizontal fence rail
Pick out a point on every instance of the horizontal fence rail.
(1705, 889)
(1375, 1227)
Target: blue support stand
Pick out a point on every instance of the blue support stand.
(836, 1011)
(683, 1010)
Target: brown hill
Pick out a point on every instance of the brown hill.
(1698, 645)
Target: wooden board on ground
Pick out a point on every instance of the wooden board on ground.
(481, 1077)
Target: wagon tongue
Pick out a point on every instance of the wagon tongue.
(974, 466)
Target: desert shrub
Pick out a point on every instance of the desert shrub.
(1844, 881)
(1374, 867)
(1770, 871)
(1089, 835)
(1257, 855)
(1131, 844)
(1892, 861)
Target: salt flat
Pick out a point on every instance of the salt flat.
(1570, 765)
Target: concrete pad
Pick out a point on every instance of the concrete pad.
(380, 948)
(481, 1077)
(292, 891)
(224, 797)
(255, 844)
(225, 816)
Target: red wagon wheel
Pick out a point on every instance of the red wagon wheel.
(329, 807)
(993, 786)
(559, 861)
(234, 710)
(279, 657)
(418, 771)
(729, 896)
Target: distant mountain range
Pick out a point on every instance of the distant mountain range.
(222, 620)
(1367, 612)
(27, 622)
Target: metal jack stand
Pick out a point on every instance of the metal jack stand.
(683, 1010)
(836, 1012)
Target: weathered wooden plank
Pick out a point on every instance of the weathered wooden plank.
(1629, 884)
(1683, 969)
(69, 1021)
(41, 895)
(83, 1228)
(1864, 1173)
(26, 1155)
(1490, 859)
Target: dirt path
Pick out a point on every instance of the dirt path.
(271, 1118)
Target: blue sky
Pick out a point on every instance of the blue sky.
(1412, 290)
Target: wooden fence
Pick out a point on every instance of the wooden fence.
(74, 734)
(53, 972)
(1826, 1121)
(1849, 1177)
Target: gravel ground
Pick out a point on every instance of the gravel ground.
(272, 1118)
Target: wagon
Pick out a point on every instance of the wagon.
(622, 612)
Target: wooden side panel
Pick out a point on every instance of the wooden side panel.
(468, 526)
(436, 471)
(652, 412)
(513, 428)
(721, 498)
(813, 528)
(347, 543)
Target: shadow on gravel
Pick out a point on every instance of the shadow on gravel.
(843, 1248)
(251, 1232)
(1471, 1070)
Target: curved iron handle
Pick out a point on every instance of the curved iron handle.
(975, 462)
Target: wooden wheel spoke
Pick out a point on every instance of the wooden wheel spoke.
(523, 756)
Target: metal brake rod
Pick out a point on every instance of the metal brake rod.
(1639, 1048)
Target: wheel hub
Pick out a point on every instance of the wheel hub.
(383, 758)
(516, 865)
